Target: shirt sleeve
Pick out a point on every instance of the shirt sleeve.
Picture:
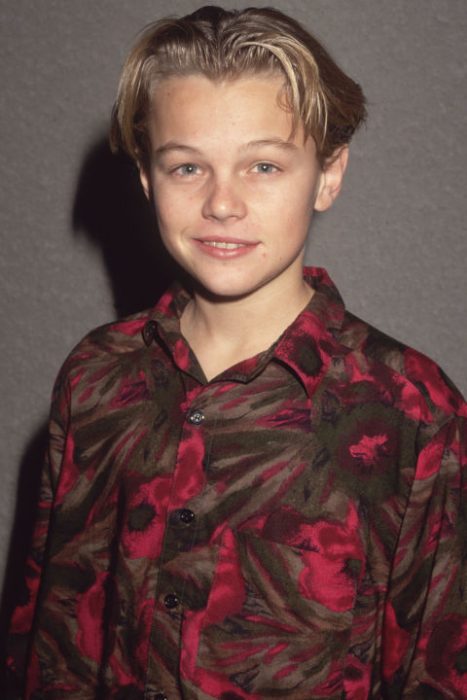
(22, 621)
(425, 631)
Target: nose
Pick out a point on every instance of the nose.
(224, 200)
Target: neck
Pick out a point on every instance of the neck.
(222, 332)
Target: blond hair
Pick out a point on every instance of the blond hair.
(223, 44)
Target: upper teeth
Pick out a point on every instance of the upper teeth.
(223, 244)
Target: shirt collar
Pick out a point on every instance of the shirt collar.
(306, 346)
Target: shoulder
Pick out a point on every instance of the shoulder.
(107, 344)
(110, 354)
(112, 339)
(413, 373)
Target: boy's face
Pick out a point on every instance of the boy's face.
(234, 189)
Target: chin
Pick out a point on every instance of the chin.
(223, 290)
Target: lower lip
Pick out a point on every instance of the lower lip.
(225, 253)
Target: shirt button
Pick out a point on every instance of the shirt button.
(171, 601)
(186, 516)
(160, 696)
(196, 417)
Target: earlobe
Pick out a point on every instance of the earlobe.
(144, 179)
(331, 179)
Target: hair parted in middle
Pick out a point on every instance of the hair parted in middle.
(229, 44)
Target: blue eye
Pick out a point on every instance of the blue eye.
(186, 169)
(265, 168)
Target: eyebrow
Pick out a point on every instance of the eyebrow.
(258, 143)
(174, 146)
(277, 142)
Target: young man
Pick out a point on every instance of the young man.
(249, 493)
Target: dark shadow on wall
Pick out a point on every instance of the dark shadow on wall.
(110, 209)
(27, 496)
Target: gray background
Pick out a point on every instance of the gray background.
(73, 250)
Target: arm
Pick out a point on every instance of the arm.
(23, 616)
(425, 631)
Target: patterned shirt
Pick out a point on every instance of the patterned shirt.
(291, 529)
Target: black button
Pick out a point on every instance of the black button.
(171, 601)
(160, 696)
(186, 516)
(149, 332)
(196, 416)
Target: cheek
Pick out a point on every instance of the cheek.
(175, 207)
(167, 210)
(304, 210)
(298, 213)
(297, 199)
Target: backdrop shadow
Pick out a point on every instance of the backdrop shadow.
(110, 209)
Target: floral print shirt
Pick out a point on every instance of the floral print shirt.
(294, 528)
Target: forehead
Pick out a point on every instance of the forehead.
(195, 107)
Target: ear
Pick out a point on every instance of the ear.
(145, 181)
(330, 182)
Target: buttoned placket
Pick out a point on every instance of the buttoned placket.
(179, 535)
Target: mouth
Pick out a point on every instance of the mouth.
(225, 248)
(225, 245)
